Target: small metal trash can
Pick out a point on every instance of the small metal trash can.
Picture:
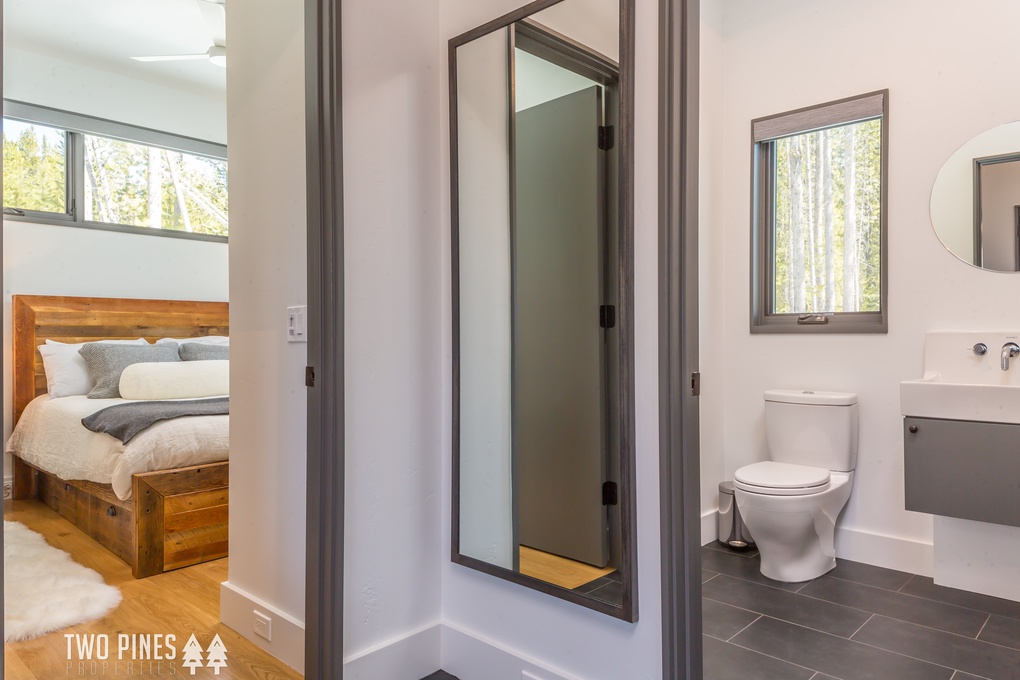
(732, 531)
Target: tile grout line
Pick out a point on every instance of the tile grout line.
(857, 642)
(946, 632)
(862, 626)
(861, 583)
(913, 623)
(983, 625)
(953, 604)
(745, 627)
(771, 656)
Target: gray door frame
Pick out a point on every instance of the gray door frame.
(324, 649)
(679, 472)
(325, 498)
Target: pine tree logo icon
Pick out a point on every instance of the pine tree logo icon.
(217, 654)
(193, 655)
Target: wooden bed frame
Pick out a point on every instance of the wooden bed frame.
(175, 518)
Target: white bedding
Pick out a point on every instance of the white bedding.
(50, 436)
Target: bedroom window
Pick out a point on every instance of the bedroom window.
(819, 220)
(35, 167)
(62, 168)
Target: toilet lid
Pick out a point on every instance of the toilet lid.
(783, 479)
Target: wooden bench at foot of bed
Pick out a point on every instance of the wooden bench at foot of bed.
(175, 518)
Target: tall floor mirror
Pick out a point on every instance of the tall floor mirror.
(542, 269)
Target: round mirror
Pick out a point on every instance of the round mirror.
(975, 203)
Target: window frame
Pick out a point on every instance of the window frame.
(831, 114)
(76, 126)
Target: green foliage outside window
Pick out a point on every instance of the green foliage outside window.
(145, 186)
(35, 167)
(827, 220)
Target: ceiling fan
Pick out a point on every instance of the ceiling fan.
(214, 14)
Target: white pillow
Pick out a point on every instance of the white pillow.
(204, 339)
(66, 374)
(176, 380)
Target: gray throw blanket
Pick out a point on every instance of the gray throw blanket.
(124, 421)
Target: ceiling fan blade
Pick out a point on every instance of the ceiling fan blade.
(214, 13)
(173, 57)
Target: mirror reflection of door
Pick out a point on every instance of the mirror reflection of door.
(996, 195)
(562, 224)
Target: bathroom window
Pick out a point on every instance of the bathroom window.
(819, 218)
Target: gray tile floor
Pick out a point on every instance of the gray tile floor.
(858, 622)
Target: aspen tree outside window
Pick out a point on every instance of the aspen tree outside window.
(819, 236)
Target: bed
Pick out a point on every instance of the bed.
(173, 517)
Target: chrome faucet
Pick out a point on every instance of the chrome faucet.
(1010, 349)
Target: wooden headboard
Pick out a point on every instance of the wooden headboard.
(38, 318)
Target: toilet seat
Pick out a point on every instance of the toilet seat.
(781, 479)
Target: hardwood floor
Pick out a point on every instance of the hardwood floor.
(181, 602)
(558, 570)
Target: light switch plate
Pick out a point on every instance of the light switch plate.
(297, 326)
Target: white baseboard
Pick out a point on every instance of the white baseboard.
(891, 552)
(709, 526)
(421, 652)
(472, 657)
(412, 656)
(236, 612)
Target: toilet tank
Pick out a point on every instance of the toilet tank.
(812, 428)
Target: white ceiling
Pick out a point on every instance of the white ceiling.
(105, 34)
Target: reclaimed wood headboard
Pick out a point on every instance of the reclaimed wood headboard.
(38, 318)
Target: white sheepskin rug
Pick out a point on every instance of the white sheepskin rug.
(45, 590)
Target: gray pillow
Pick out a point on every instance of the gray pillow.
(105, 363)
(200, 351)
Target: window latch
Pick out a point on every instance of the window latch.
(14, 211)
(810, 319)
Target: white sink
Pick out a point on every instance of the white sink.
(960, 385)
(932, 398)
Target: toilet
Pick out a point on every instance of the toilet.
(790, 503)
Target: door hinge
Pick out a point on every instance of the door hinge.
(309, 376)
(696, 384)
(607, 137)
(607, 316)
(610, 493)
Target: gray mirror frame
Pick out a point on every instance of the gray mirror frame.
(628, 611)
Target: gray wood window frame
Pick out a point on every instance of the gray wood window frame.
(75, 126)
(764, 132)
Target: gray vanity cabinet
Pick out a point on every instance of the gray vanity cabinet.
(964, 469)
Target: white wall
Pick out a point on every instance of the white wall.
(711, 260)
(47, 80)
(486, 618)
(394, 326)
(945, 77)
(267, 274)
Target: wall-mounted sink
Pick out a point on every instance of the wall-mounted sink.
(961, 430)
(932, 398)
(959, 384)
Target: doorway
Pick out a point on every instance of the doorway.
(323, 625)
